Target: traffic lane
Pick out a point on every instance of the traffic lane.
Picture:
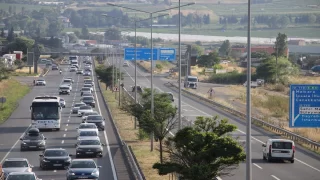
(19, 121)
(257, 136)
(116, 158)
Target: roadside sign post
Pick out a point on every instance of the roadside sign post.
(2, 101)
(304, 108)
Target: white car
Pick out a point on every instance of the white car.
(22, 176)
(87, 73)
(86, 114)
(41, 82)
(73, 69)
(62, 103)
(282, 149)
(87, 126)
(88, 86)
(16, 165)
(125, 64)
(88, 134)
(84, 109)
(70, 79)
(77, 106)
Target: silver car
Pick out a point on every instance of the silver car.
(77, 106)
(84, 109)
(86, 114)
(22, 176)
(16, 165)
(62, 103)
(83, 168)
(87, 73)
(40, 82)
(89, 147)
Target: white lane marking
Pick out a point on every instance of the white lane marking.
(257, 165)
(65, 129)
(62, 141)
(7, 154)
(106, 137)
(302, 162)
(64, 135)
(67, 124)
(68, 120)
(275, 177)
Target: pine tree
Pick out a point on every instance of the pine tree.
(10, 36)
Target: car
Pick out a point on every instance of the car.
(79, 71)
(87, 73)
(86, 114)
(22, 176)
(88, 133)
(170, 96)
(67, 81)
(89, 147)
(125, 64)
(84, 109)
(62, 103)
(87, 126)
(70, 78)
(88, 86)
(54, 67)
(89, 62)
(89, 100)
(98, 120)
(64, 89)
(54, 158)
(75, 66)
(77, 106)
(87, 93)
(73, 69)
(87, 78)
(83, 169)
(33, 140)
(40, 82)
(89, 82)
(281, 149)
(16, 165)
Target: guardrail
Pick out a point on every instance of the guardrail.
(126, 150)
(295, 137)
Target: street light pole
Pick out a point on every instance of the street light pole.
(248, 128)
(116, 71)
(152, 93)
(119, 89)
(135, 69)
(179, 79)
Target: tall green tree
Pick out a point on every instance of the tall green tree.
(202, 152)
(112, 34)
(20, 44)
(2, 33)
(164, 119)
(208, 60)
(10, 36)
(85, 32)
(54, 28)
(105, 75)
(225, 48)
(281, 44)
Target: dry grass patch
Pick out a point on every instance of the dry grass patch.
(25, 72)
(141, 149)
(166, 66)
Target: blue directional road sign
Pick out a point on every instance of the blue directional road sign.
(304, 106)
(142, 54)
(167, 54)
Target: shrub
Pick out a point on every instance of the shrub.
(230, 78)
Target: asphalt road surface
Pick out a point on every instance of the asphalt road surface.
(113, 163)
(306, 166)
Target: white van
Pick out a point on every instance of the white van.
(191, 82)
(282, 149)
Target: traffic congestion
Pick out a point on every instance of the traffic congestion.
(46, 115)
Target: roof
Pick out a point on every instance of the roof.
(192, 77)
(20, 173)
(87, 123)
(45, 100)
(285, 140)
(83, 160)
(16, 159)
(304, 49)
(90, 138)
(54, 149)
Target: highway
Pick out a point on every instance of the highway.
(113, 163)
(306, 166)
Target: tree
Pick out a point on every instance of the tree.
(225, 48)
(267, 70)
(164, 119)
(197, 49)
(10, 36)
(2, 33)
(20, 44)
(112, 34)
(54, 28)
(85, 32)
(105, 74)
(202, 152)
(208, 60)
(4, 71)
(281, 45)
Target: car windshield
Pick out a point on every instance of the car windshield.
(33, 137)
(55, 153)
(85, 107)
(87, 81)
(61, 100)
(89, 142)
(45, 112)
(90, 113)
(94, 118)
(87, 94)
(40, 80)
(14, 164)
(87, 126)
(79, 105)
(192, 79)
(87, 98)
(83, 164)
(67, 80)
(64, 88)
(88, 133)
(85, 89)
(87, 85)
(282, 145)
(21, 177)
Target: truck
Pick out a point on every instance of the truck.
(191, 82)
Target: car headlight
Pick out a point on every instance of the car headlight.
(68, 160)
(95, 172)
(23, 143)
(79, 149)
(72, 173)
(45, 160)
(41, 143)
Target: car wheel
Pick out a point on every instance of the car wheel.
(58, 129)
(268, 158)
(292, 160)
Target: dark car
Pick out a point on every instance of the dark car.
(89, 100)
(96, 119)
(33, 140)
(55, 158)
(83, 169)
(89, 147)
(54, 67)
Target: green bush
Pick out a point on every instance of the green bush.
(159, 66)
(230, 78)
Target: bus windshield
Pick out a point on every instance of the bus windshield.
(45, 111)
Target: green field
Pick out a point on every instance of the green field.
(5, 6)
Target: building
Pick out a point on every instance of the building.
(65, 21)
(304, 50)
(297, 42)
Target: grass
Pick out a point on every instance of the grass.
(5, 6)
(141, 148)
(25, 72)
(13, 91)
(164, 64)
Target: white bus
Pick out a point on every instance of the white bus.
(46, 112)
